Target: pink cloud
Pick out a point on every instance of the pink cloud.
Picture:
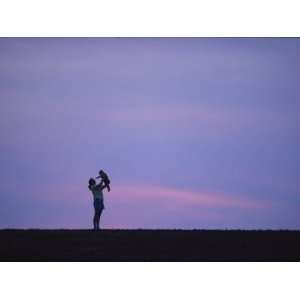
(178, 197)
(138, 193)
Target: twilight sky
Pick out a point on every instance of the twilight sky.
(194, 132)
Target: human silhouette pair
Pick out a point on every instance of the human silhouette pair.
(97, 191)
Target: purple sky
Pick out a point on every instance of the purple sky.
(194, 133)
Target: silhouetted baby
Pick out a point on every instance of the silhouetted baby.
(105, 179)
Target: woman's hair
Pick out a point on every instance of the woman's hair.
(92, 181)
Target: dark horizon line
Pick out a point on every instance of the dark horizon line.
(145, 229)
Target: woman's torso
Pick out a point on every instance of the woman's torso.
(97, 192)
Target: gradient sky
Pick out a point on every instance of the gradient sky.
(194, 132)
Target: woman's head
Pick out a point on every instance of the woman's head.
(92, 181)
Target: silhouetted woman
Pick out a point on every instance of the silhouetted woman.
(96, 189)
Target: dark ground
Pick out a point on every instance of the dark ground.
(149, 245)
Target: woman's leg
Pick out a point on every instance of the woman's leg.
(95, 220)
(100, 212)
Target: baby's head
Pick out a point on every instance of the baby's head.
(101, 174)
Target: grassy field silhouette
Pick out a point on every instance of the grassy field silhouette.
(149, 245)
